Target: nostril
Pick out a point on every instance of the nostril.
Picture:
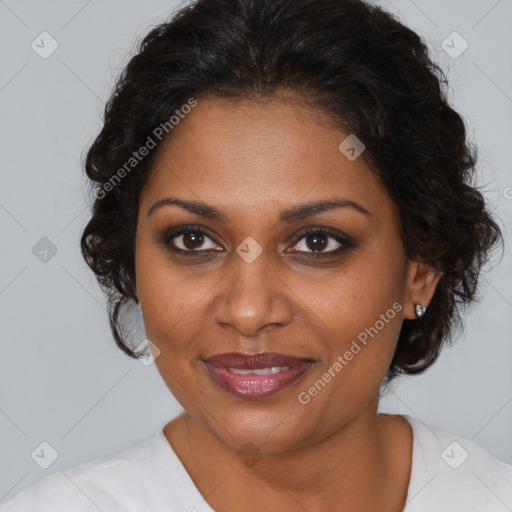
(266, 328)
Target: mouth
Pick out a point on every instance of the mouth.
(256, 375)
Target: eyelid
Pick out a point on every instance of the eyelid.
(345, 241)
(170, 234)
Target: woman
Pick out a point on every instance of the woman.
(284, 192)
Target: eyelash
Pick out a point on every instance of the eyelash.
(345, 241)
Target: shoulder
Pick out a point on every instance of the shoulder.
(112, 483)
(451, 473)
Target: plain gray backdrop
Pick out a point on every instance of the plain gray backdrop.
(63, 380)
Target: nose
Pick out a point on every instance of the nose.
(252, 299)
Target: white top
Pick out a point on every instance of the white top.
(449, 474)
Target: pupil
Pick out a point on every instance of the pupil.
(193, 240)
(318, 241)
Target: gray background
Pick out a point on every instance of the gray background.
(63, 380)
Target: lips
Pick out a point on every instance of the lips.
(256, 375)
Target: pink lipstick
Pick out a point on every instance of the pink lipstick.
(256, 375)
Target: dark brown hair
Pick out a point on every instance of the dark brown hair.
(356, 62)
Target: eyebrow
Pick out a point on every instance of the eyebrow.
(292, 214)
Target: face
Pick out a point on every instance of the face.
(254, 279)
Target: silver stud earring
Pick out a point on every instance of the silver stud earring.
(420, 310)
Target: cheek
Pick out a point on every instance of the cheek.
(357, 312)
(355, 296)
(172, 301)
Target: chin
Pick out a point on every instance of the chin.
(270, 431)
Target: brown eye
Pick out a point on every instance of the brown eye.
(319, 241)
(189, 240)
(192, 240)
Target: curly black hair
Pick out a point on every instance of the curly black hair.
(351, 60)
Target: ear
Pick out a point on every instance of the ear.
(421, 285)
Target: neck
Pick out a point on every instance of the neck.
(357, 465)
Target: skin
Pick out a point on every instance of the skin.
(251, 160)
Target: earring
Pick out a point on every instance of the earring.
(420, 310)
(131, 324)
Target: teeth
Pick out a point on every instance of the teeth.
(238, 371)
(259, 371)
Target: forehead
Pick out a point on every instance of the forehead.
(257, 154)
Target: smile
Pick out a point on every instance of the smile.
(258, 375)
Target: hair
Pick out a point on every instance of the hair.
(351, 60)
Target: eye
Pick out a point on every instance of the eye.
(314, 242)
(319, 242)
(188, 239)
